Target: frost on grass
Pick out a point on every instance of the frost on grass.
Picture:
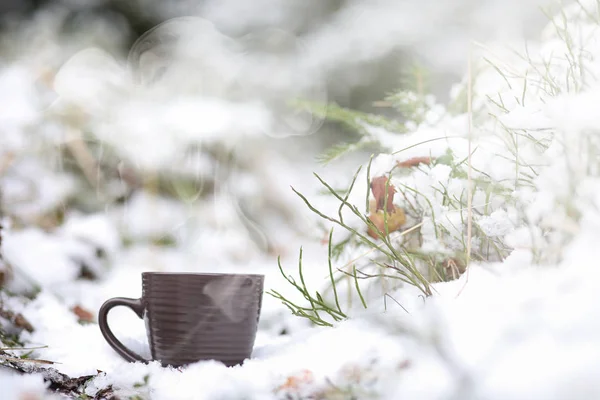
(421, 307)
(533, 174)
(532, 158)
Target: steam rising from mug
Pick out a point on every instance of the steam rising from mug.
(270, 67)
(218, 290)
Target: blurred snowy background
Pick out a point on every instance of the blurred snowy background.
(90, 116)
(158, 136)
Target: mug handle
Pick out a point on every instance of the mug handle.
(138, 307)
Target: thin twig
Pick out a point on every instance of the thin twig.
(27, 360)
(83, 156)
(22, 348)
(6, 162)
(469, 170)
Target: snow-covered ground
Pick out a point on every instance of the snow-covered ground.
(521, 323)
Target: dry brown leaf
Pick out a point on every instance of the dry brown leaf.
(21, 322)
(395, 220)
(378, 188)
(294, 382)
(413, 162)
(29, 396)
(395, 216)
(17, 319)
(83, 314)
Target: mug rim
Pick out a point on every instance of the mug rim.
(199, 274)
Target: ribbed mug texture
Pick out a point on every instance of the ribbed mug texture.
(201, 317)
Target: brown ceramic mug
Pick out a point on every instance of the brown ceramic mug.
(191, 317)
